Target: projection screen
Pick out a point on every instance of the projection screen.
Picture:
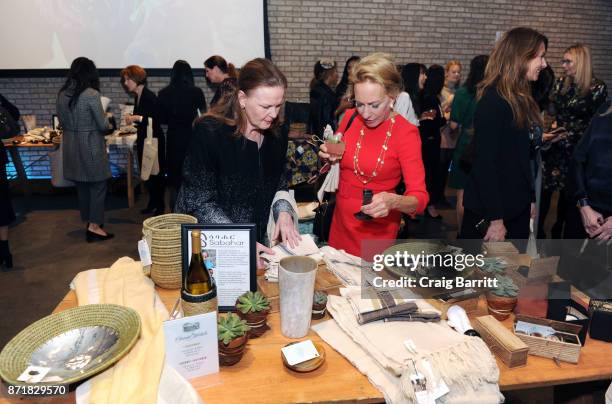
(49, 34)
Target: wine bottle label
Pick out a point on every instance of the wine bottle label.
(188, 297)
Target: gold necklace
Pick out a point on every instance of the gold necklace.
(380, 161)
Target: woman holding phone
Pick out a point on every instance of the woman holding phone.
(499, 195)
(381, 148)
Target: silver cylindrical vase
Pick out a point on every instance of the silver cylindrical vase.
(296, 280)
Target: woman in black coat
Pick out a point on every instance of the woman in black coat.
(499, 197)
(323, 101)
(146, 106)
(179, 105)
(431, 121)
(7, 215)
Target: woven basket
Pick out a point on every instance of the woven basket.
(193, 309)
(163, 234)
(16, 355)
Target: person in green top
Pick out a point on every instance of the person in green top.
(462, 115)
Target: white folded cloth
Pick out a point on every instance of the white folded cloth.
(330, 184)
(345, 266)
(464, 363)
(307, 247)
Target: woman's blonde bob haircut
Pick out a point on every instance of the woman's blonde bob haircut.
(584, 68)
(377, 68)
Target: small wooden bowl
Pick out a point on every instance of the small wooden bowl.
(307, 366)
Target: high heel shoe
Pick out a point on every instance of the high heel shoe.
(91, 236)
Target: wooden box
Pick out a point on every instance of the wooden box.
(502, 342)
(566, 349)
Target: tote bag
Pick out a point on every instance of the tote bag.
(150, 163)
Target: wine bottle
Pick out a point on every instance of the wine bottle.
(198, 281)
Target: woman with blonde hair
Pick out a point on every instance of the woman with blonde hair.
(499, 195)
(576, 96)
(381, 148)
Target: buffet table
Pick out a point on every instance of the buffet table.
(119, 142)
(260, 376)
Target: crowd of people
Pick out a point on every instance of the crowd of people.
(505, 139)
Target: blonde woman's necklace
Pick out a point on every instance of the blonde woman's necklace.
(380, 161)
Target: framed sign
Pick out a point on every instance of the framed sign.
(229, 253)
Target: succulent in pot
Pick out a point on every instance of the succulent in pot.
(502, 300)
(233, 336)
(319, 304)
(253, 307)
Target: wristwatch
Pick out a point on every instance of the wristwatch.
(582, 202)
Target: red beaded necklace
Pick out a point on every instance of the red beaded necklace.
(380, 161)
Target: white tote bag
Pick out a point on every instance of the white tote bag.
(150, 163)
(57, 169)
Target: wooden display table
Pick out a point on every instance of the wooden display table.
(260, 376)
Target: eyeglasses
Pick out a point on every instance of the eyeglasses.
(566, 62)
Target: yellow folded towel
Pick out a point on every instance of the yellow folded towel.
(135, 378)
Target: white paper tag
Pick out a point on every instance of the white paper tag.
(144, 252)
(191, 345)
(33, 374)
(300, 352)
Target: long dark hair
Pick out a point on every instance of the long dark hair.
(321, 71)
(410, 77)
(81, 76)
(256, 73)
(477, 71)
(507, 73)
(541, 88)
(344, 81)
(181, 75)
(435, 81)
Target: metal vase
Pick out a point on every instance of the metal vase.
(296, 278)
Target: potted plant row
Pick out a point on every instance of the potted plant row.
(233, 336)
(253, 307)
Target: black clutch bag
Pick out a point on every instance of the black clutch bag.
(600, 312)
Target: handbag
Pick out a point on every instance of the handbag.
(150, 162)
(8, 125)
(325, 211)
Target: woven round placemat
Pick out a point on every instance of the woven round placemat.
(163, 233)
(16, 355)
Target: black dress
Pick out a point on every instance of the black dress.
(227, 179)
(430, 147)
(148, 106)
(323, 104)
(178, 109)
(7, 215)
(500, 185)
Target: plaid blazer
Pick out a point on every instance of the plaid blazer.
(84, 147)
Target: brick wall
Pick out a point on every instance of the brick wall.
(427, 31)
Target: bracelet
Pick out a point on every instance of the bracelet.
(583, 202)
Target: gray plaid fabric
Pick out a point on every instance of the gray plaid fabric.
(83, 144)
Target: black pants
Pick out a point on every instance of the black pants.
(430, 148)
(446, 156)
(516, 228)
(92, 196)
(562, 207)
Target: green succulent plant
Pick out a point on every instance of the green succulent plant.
(320, 297)
(252, 302)
(494, 265)
(505, 287)
(231, 327)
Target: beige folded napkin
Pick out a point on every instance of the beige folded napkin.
(464, 363)
(136, 377)
(307, 247)
(345, 266)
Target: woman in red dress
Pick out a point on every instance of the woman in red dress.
(381, 148)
